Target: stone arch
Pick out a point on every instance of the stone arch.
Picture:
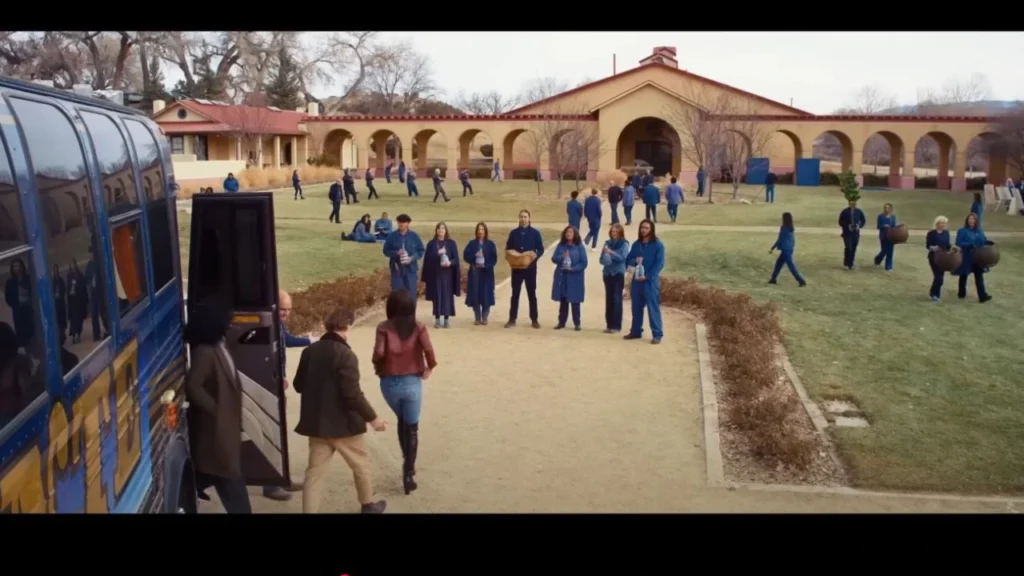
(385, 146)
(74, 220)
(652, 138)
(339, 149)
(884, 149)
(508, 146)
(783, 149)
(935, 152)
(476, 150)
(835, 150)
(429, 151)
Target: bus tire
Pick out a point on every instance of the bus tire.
(179, 480)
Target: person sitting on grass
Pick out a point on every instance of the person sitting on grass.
(382, 227)
(361, 232)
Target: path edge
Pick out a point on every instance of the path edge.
(714, 468)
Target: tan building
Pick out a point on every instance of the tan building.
(642, 112)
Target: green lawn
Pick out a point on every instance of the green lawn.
(940, 383)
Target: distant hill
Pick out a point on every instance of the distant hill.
(981, 108)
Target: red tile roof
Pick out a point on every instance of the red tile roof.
(228, 118)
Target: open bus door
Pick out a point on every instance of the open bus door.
(233, 257)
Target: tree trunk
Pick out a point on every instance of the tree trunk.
(559, 184)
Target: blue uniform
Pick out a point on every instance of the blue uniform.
(525, 239)
(334, 195)
(381, 228)
(442, 284)
(401, 172)
(941, 241)
(628, 200)
(786, 244)
(438, 188)
(230, 185)
(481, 258)
(851, 220)
(646, 294)
(369, 185)
(701, 176)
(568, 287)
(614, 273)
(574, 209)
(387, 173)
(651, 197)
(673, 197)
(403, 275)
(968, 241)
(886, 253)
(410, 184)
(592, 212)
(466, 186)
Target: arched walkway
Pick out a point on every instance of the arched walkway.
(384, 147)
(476, 150)
(338, 148)
(652, 141)
(934, 154)
(835, 150)
(509, 143)
(430, 151)
(785, 148)
(882, 154)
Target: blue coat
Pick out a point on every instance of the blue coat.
(652, 195)
(976, 209)
(592, 208)
(575, 211)
(569, 284)
(968, 241)
(334, 192)
(230, 185)
(480, 281)
(855, 218)
(936, 238)
(614, 263)
(628, 195)
(413, 245)
(369, 177)
(786, 241)
(653, 254)
(382, 225)
(674, 194)
(884, 222)
(432, 267)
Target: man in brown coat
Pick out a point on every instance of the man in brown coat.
(334, 412)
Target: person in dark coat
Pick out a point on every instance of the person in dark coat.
(568, 287)
(18, 295)
(968, 240)
(851, 221)
(651, 197)
(464, 179)
(574, 210)
(937, 240)
(387, 171)
(522, 240)
(349, 187)
(496, 174)
(592, 212)
(647, 258)
(78, 301)
(701, 177)
(369, 185)
(214, 393)
(410, 184)
(614, 198)
(637, 181)
(769, 187)
(885, 221)
(977, 207)
(613, 271)
(297, 184)
(401, 172)
(333, 414)
(438, 187)
(404, 249)
(786, 244)
(442, 275)
(334, 195)
(60, 300)
(481, 256)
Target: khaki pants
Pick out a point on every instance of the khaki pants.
(353, 450)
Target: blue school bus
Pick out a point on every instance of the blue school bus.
(92, 360)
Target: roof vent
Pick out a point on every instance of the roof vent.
(665, 55)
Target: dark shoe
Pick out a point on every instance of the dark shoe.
(377, 507)
(559, 326)
(535, 325)
(802, 284)
(477, 322)
(276, 493)
(296, 486)
(578, 328)
(655, 340)
(510, 324)
(772, 282)
(632, 337)
(984, 298)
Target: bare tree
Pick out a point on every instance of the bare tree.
(1010, 127)
(542, 89)
(954, 94)
(741, 139)
(339, 60)
(703, 135)
(251, 125)
(486, 103)
(401, 77)
(871, 99)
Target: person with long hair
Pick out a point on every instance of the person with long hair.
(786, 244)
(404, 250)
(18, 295)
(334, 413)
(886, 221)
(936, 240)
(568, 286)
(647, 258)
(481, 255)
(361, 233)
(297, 184)
(403, 357)
(968, 240)
(613, 262)
(441, 275)
(214, 394)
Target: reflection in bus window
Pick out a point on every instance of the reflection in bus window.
(12, 233)
(22, 377)
(159, 206)
(59, 165)
(129, 265)
(115, 164)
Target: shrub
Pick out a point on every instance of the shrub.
(481, 173)
(785, 179)
(528, 174)
(256, 179)
(876, 180)
(829, 179)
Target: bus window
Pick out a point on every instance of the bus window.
(129, 266)
(22, 370)
(12, 233)
(158, 205)
(73, 252)
(115, 164)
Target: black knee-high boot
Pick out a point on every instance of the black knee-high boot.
(412, 440)
(401, 439)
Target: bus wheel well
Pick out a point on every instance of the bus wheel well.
(186, 497)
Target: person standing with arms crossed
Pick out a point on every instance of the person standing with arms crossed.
(524, 240)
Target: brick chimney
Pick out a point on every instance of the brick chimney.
(662, 55)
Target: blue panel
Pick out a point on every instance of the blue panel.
(757, 171)
(808, 172)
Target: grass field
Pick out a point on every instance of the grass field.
(940, 383)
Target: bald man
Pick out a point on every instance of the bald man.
(284, 307)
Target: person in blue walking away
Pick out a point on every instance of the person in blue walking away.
(387, 171)
(574, 210)
(410, 184)
(334, 195)
(613, 270)
(286, 340)
(349, 187)
(886, 220)
(297, 184)
(673, 197)
(97, 299)
(568, 287)
(628, 200)
(937, 240)
(438, 186)
(442, 275)
(496, 174)
(977, 207)
(361, 233)
(592, 212)
(645, 179)
(231, 183)
(652, 197)
(614, 198)
(369, 185)
(701, 176)
(636, 180)
(851, 221)
(785, 244)
(524, 240)
(464, 179)
(18, 295)
(481, 255)
(968, 240)
(382, 227)
(401, 172)
(769, 187)
(647, 258)
(404, 250)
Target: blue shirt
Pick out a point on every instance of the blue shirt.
(628, 195)
(289, 341)
(614, 263)
(651, 195)
(526, 239)
(230, 185)
(592, 207)
(674, 194)
(786, 240)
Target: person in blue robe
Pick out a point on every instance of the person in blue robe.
(18, 295)
(592, 212)
(613, 271)
(387, 171)
(652, 197)
(968, 240)
(78, 301)
(769, 187)
(334, 195)
(701, 177)
(297, 184)
(568, 287)
(786, 244)
(442, 275)
(628, 200)
(404, 250)
(369, 185)
(438, 186)
(382, 227)
(522, 239)
(673, 197)
(574, 210)
(348, 185)
(464, 179)
(231, 183)
(637, 181)
(885, 221)
(496, 174)
(480, 256)
(401, 171)
(60, 300)
(937, 240)
(977, 207)
(851, 221)
(361, 233)
(647, 258)
(410, 184)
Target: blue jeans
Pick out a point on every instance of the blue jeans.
(651, 212)
(786, 258)
(413, 190)
(885, 253)
(673, 211)
(481, 312)
(645, 296)
(627, 210)
(593, 230)
(615, 212)
(769, 193)
(404, 394)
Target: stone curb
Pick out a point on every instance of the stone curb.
(709, 400)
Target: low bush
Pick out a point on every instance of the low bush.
(256, 179)
(876, 179)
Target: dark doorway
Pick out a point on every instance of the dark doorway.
(288, 154)
(656, 153)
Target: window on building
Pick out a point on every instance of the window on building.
(129, 264)
(114, 162)
(158, 204)
(177, 144)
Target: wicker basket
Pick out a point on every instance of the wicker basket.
(898, 234)
(948, 261)
(987, 256)
(520, 262)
